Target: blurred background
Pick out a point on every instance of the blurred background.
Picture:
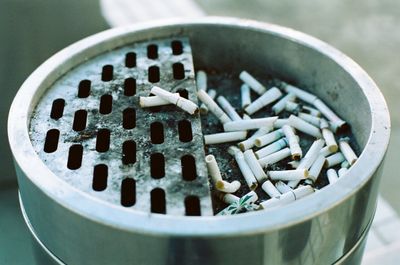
(366, 30)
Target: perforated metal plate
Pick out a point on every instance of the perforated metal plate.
(90, 131)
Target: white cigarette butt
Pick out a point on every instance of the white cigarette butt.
(301, 94)
(201, 80)
(280, 122)
(153, 101)
(292, 107)
(328, 113)
(282, 187)
(332, 175)
(295, 149)
(249, 143)
(334, 160)
(255, 166)
(227, 107)
(203, 108)
(310, 119)
(249, 124)
(245, 93)
(304, 126)
(287, 197)
(252, 82)
(275, 157)
(280, 105)
(269, 138)
(179, 101)
(342, 171)
(288, 175)
(228, 187)
(244, 167)
(267, 98)
(347, 151)
(213, 107)
(213, 169)
(270, 189)
(224, 137)
(272, 148)
(312, 111)
(316, 168)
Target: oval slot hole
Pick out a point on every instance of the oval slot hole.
(157, 133)
(130, 87)
(84, 89)
(154, 74)
(130, 59)
(100, 175)
(188, 164)
(157, 165)
(129, 118)
(75, 156)
(183, 93)
(157, 197)
(177, 47)
(152, 51)
(178, 70)
(185, 131)
(103, 140)
(105, 104)
(107, 73)
(51, 141)
(80, 119)
(57, 109)
(129, 152)
(192, 206)
(128, 192)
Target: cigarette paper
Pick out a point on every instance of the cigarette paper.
(275, 157)
(245, 93)
(255, 166)
(213, 169)
(201, 80)
(252, 82)
(227, 107)
(153, 101)
(334, 160)
(287, 197)
(316, 168)
(292, 107)
(228, 187)
(246, 117)
(342, 171)
(311, 111)
(327, 134)
(345, 164)
(288, 175)
(310, 119)
(295, 149)
(280, 105)
(312, 154)
(280, 122)
(244, 167)
(213, 107)
(282, 187)
(177, 100)
(229, 198)
(269, 138)
(294, 164)
(267, 98)
(301, 94)
(249, 143)
(272, 148)
(249, 124)
(328, 113)
(304, 126)
(203, 108)
(347, 151)
(224, 137)
(332, 175)
(325, 151)
(270, 189)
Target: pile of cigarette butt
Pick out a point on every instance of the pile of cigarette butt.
(258, 144)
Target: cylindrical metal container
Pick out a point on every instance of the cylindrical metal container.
(328, 227)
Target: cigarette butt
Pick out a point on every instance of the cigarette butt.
(270, 189)
(332, 175)
(272, 148)
(347, 151)
(153, 101)
(249, 124)
(328, 113)
(267, 98)
(334, 160)
(280, 122)
(203, 108)
(212, 106)
(245, 93)
(342, 171)
(280, 105)
(316, 168)
(295, 149)
(301, 94)
(213, 169)
(248, 175)
(288, 175)
(227, 107)
(250, 142)
(228, 187)
(268, 138)
(224, 137)
(304, 126)
(180, 102)
(282, 187)
(275, 157)
(310, 119)
(252, 82)
(255, 166)
(287, 197)
(201, 80)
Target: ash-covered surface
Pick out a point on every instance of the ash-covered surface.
(175, 187)
(228, 85)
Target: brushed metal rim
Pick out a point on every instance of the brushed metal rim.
(244, 224)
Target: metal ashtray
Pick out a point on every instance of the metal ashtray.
(103, 181)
